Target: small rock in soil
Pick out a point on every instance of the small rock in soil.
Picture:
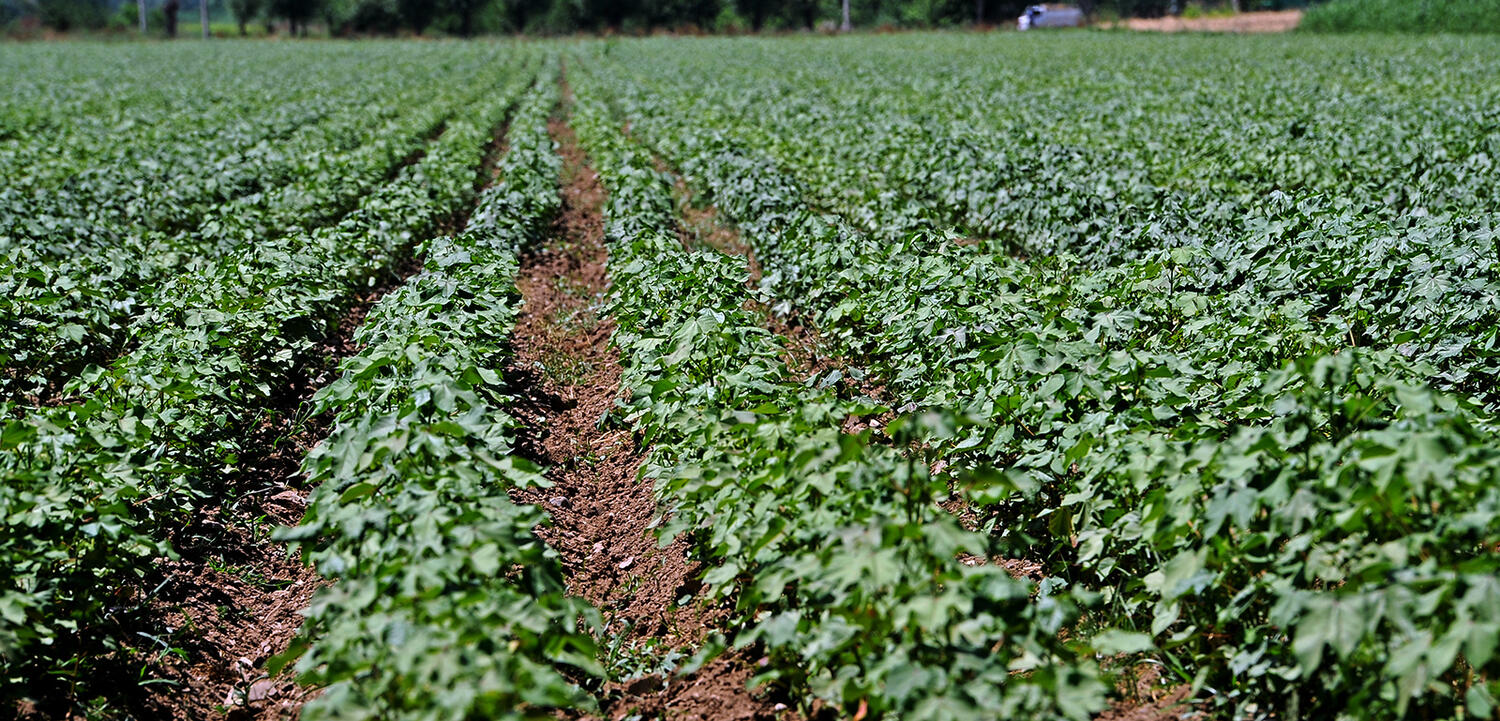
(261, 690)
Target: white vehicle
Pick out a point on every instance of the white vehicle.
(1054, 16)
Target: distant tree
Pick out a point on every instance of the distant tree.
(561, 16)
(67, 15)
(244, 11)
(518, 13)
(12, 10)
(603, 14)
(1012, 9)
(806, 13)
(464, 12)
(169, 9)
(757, 11)
(296, 12)
(418, 14)
(677, 13)
(338, 14)
(1141, 8)
(468, 17)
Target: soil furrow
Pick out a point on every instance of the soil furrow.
(566, 377)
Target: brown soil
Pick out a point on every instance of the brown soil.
(567, 380)
(229, 606)
(499, 145)
(700, 226)
(716, 692)
(1016, 567)
(1258, 22)
(1144, 697)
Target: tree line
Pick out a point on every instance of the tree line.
(560, 17)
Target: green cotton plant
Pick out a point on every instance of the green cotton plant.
(1352, 525)
(854, 582)
(443, 585)
(1211, 343)
(85, 260)
(447, 604)
(1402, 16)
(953, 160)
(99, 489)
(842, 569)
(1137, 321)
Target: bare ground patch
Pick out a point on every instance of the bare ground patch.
(1278, 21)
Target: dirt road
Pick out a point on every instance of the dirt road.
(1260, 22)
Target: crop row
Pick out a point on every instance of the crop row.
(1374, 223)
(841, 567)
(1194, 150)
(1207, 329)
(180, 131)
(446, 603)
(98, 489)
(61, 314)
(1276, 504)
(186, 150)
